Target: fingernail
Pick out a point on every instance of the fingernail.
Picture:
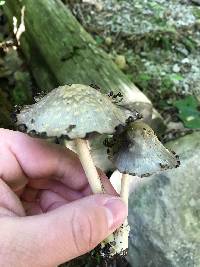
(116, 212)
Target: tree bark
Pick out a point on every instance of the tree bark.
(58, 51)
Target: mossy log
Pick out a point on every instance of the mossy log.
(59, 51)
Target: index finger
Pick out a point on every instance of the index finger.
(23, 157)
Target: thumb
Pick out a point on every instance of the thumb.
(64, 233)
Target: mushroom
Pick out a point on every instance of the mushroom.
(74, 111)
(135, 149)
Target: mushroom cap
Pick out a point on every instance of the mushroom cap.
(137, 151)
(73, 111)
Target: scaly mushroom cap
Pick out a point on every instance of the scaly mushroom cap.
(73, 111)
(136, 150)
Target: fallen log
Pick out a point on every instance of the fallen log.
(59, 51)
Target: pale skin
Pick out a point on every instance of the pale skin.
(47, 213)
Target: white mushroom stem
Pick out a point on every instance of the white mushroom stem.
(118, 241)
(121, 234)
(124, 193)
(88, 166)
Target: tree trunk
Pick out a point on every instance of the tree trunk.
(58, 51)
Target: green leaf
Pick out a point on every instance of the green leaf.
(189, 111)
(176, 77)
(144, 77)
(99, 40)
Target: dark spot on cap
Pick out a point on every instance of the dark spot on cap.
(110, 93)
(70, 128)
(17, 108)
(32, 120)
(178, 163)
(145, 175)
(32, 133)
(176, 156)
(117, 95)
(69, 84)
(130, 119)
(95, 86)
(22, 128)
(120, 100)
(163, 166)
(39, 95)
(13, 117)
(139, 116)
(136, 115)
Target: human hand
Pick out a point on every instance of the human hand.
(47, 213)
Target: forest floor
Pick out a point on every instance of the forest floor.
(156, 43)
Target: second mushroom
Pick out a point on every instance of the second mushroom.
(134, 149)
